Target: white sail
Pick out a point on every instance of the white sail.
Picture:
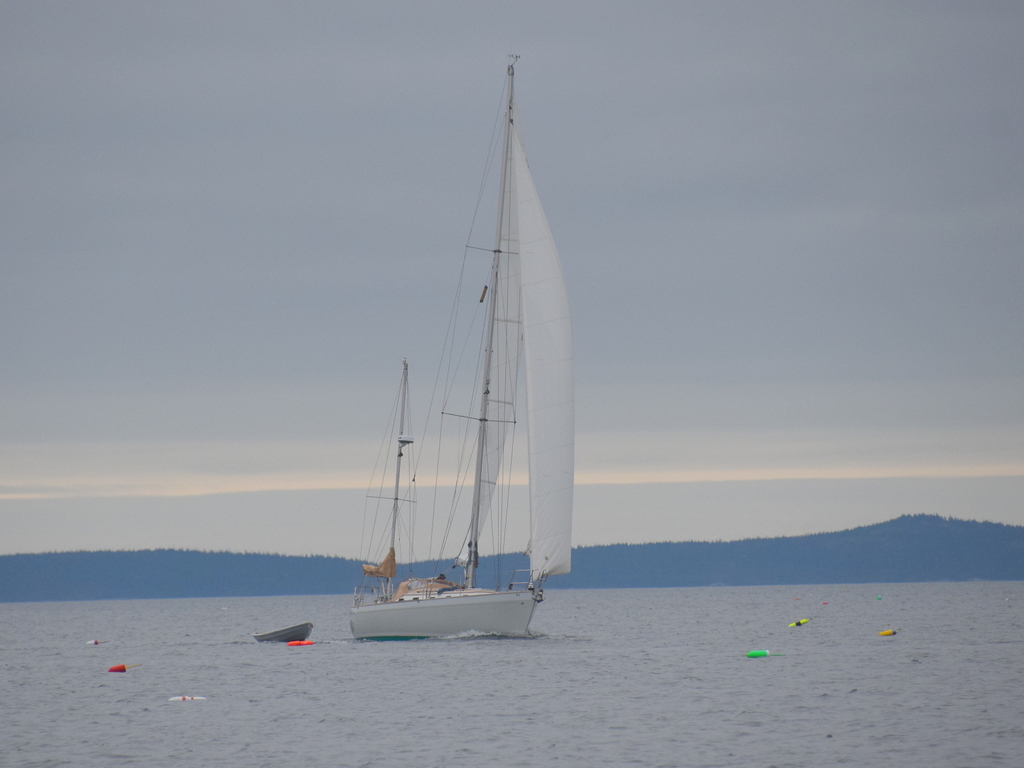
(547, 337)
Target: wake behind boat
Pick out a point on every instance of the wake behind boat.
(528, 325)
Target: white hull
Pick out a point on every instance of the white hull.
(460, 612)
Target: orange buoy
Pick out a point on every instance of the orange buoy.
(122, 667)
(301, 642)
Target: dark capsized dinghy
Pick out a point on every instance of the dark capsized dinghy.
(286, 635)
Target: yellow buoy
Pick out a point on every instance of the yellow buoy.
(798, 623)
(887, 632)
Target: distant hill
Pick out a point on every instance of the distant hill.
(909, 548)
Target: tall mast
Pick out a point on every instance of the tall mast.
(403, 440)
(473, 547)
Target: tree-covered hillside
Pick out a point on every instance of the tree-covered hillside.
(910, 548)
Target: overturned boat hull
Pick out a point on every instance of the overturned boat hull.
(286, 635)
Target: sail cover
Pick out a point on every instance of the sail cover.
(386, 569)
(547, 356)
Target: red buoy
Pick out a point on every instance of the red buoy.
(122, 667)
(301, 642)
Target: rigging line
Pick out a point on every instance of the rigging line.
(405, 525)
(460, 416)
(449, 364)
(412, 515)
(503, 531)
(454, 361)
(447, 352)
(446, 348)
(437, 476)
(503, 498)
(405, 521)
(492, 151)
(466, 444)
(453, 501)
(495, 142)
(453, 353)
(444, 380)
(379, 472)
(478, 419)
(412, 463)
(456, 491)
(456, 494)
(459, 481)
(465, 469)
(376, 473)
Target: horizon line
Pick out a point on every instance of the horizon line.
(234, 484)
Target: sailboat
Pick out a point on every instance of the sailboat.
(528, 328)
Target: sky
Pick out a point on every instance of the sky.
(792, 235)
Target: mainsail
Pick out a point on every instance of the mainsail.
(529, 304)
(547, 337)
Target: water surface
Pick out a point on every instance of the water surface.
(612, 678)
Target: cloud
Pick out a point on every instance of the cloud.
(791, 235)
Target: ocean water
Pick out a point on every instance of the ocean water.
(612, 678)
